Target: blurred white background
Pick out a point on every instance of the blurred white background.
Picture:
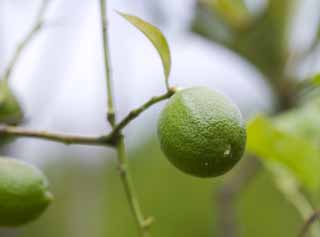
(60, 77)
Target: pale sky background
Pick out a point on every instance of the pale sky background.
(60, 79)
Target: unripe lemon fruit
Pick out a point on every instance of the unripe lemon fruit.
(24, 192)
(201, 132)
(10, 110)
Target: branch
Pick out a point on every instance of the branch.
(142, 222)
(227, 194)
(294, 195)
(105, 140)
(107, 63)
(308, 223)
(56, 137)
(136, 112)
(28, 37)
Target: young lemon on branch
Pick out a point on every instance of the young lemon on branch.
(201, 132)
(24, 194)
(10, 110)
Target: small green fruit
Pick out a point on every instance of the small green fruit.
(10, 110)
(24, 193)
(201, 132)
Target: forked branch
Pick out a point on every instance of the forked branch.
(70, 139)
(120, 145)
(136, 112)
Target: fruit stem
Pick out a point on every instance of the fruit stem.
(136, 112)
(25, 41)
(68, 139)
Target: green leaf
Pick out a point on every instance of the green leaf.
(234, 12)
(309, 82)
(300, 157)
(315, 80)
(302, 121)
(157, 39)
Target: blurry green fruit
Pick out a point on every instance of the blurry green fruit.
(10, 110)
(201, 132)
(24, 192)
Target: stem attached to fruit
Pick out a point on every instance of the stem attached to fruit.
(136, 112)
(114, 139)
(143, 223)
(68, 139)
(28, 37)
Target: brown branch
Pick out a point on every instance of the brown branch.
(308, 223)
(56, 137)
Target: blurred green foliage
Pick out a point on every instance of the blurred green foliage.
(261, 39)
(297, 154)
(91, 202)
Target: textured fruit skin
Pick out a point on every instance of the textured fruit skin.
(201, 132)
(24, 193)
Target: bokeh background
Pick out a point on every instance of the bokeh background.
(252, 51)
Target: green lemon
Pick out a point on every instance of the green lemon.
(10, 110)
(201, 132)
(24, 192)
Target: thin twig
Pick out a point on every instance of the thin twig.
(105, 140)
(143, 224)
(25, 41)
(136, 112)
(56, 137)
(107, 63)
(227, 194)
(308, 223)
(290, 189)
